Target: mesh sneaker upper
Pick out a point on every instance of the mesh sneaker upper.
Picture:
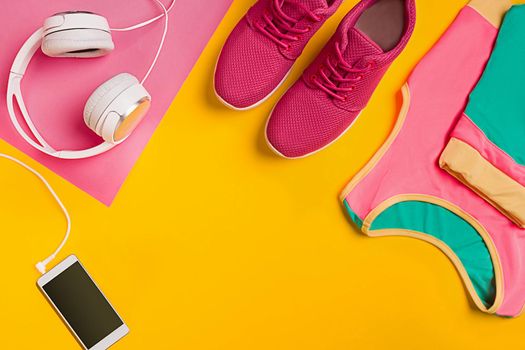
(252, 65)
(317, 110)
(249, 67)
(303, 121)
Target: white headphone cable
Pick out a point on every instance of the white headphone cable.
(41, 266)
(145, 23)
(161, 45)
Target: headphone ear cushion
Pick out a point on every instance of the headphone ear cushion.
(78, 43)
(104, 95)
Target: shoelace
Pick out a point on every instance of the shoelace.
(330, 83)
(279, 27)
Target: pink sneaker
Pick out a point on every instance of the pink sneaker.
(322, 105)
(262, 48)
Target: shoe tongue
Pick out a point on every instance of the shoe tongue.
(357, 45)
(297, 12)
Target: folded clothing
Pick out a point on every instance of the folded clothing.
(486, 150)
(403, 191)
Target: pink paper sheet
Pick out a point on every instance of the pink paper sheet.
(55, 89)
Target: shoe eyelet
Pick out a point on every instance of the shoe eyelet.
(313, 78)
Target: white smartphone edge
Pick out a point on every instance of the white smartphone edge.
(111, 338)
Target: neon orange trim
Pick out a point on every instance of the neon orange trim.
(384, 148)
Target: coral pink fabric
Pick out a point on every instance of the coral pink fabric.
(470, 133)
(307, 118)
(55, 90)
(439, 88)
(251, 65)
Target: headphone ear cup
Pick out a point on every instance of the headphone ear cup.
(76, 34)
(104, 94)
(78, 43)
(112, 103)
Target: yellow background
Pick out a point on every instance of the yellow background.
(215, 243)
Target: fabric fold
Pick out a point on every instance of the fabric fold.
(485, 151)
(467, 165)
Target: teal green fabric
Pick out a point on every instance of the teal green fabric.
(452, 230)
(353, 215)
(497, 104)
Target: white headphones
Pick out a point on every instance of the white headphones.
(114, 109)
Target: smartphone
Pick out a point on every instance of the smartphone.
(82, 305)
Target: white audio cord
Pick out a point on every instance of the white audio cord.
(159, 50)
(41, 266)
(145, 23)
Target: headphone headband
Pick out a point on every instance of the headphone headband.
(84, 34)
(14, 92)
(26, 53)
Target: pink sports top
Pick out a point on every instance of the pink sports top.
(403, 190)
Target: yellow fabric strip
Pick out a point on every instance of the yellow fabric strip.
(492, 10)
(467, 165)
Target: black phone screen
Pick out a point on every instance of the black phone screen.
(83, 305)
